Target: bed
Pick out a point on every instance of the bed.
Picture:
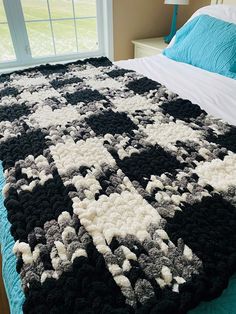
(213, 92)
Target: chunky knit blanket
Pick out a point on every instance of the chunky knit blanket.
(121, 196)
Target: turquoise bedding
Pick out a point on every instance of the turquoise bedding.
(225, 304)
(210, 37)
(10, 276)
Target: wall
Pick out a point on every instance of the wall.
(187, 10)
(136, 19)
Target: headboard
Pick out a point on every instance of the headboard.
(223, 1)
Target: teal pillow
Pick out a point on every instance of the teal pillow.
(208, 43)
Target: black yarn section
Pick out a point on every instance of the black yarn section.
(84, 170)
(19, 264)
(11, 113)
(152, 161)
(86, 96)
(167, 302)
(60, 83)
(27, 210)
(46, 260)
(33, 240)
(51, 69)
(17, 148)
(4, 78)
(99, 62)
(182, 110)
(135, 273)
(192, 152)
(117, 73)
(111, 122)
(208, 228)
(9, 91)
(227, 140)
(88, 288)
(143, 85)
(104, 180)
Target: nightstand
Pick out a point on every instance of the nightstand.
(148, 47)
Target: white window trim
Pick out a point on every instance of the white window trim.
(108, 29)
(105, 36)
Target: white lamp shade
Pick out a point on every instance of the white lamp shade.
(177, 2)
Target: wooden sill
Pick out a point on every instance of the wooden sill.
(4, 307)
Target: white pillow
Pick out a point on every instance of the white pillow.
(221, 11)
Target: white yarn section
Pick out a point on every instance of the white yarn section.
(49, 274)
(170, 133)
(39, 171)
(26, 81)
(125, 152)
(8, 100)
(153, 184)
(39, 96)
(89, 72)
(8, 131)
(23, 249)
(108, 83)
(46, 117)
(89, 184)
(128, 254)
(188, 253)
(220, 174)
(71, 155)
(61, 250)
(116, 215)
(78, 253)
(166, 275)
(131, 104)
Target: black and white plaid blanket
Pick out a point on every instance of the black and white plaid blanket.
(121, 196)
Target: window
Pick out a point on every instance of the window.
(7, 52)
(37, 31)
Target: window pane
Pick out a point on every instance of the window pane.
(87, 34)
(64, 35)
(40, 38)
(85, 8)
(61, 8)
(6, 47)
(2, 12)
(35, 10)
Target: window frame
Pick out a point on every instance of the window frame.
(21, 45)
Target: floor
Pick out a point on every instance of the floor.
(4, 307)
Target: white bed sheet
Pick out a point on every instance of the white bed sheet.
(214, 93)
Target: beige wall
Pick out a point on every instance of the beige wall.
(187, 10)
(136, 19)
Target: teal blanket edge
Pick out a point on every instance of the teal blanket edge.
(10, 276)
(225, 304)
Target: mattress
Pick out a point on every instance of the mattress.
(225, 303)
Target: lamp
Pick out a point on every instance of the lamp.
(174, 18)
